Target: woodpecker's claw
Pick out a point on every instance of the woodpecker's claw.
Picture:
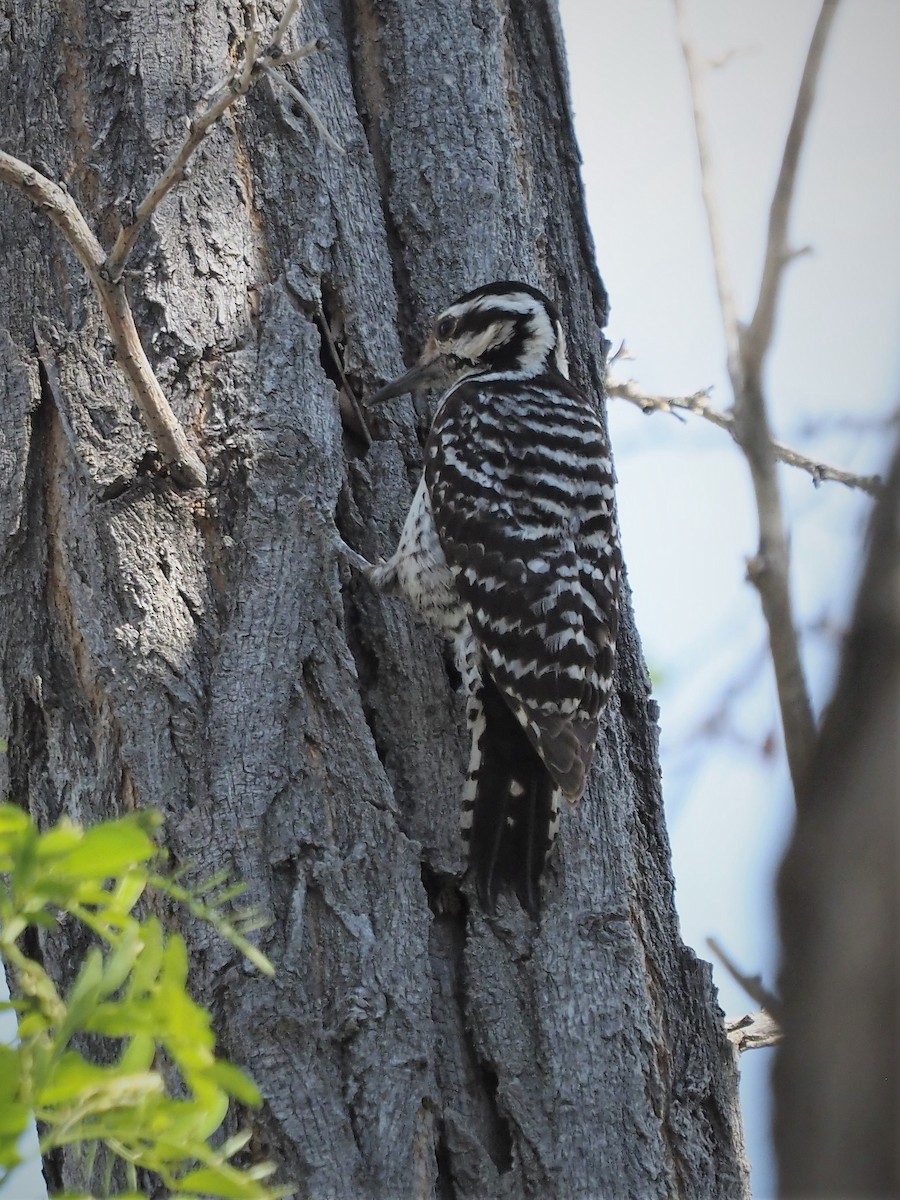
(351, 556)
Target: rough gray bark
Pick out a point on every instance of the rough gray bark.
(837, 1078)
(195, 651)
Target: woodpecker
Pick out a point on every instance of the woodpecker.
(511, 549)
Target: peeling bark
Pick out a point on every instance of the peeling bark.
(196, 652)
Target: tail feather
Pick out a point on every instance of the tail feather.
(511, 804)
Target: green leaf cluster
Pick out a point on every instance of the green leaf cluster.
(155, 1092)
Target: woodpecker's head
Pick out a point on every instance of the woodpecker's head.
(498, 331)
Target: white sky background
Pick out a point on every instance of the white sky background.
(684, 493)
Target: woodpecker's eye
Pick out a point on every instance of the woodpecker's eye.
(444, 328)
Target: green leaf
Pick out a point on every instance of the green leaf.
(126, 1019)
(90, 1089)
(219, 1181)
(236, 1083)
(13, 1123)
(109, 849)
(9, 1074)
(128, 891)
(253, 955)
(138, 1055)
(134, 990)
(175, 964)
(71, 1076)
(43, 919)
(119, 964)
(60, 840)
(147, 966)
(87, 1196)
(23, 853)
(208, 1113)
(14, 1114)
(83, 997)
(13, 820)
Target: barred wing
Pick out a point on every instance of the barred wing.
(521, 492)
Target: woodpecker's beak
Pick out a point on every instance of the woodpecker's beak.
(422, 375)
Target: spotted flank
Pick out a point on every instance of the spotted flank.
(511, 548)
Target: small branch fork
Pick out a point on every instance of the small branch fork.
(56, 203)
(106, 272)
(747, 348)
(755, 1030)
(219, 99)
(752, 984)
(698, 404)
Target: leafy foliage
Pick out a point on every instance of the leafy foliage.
(159, 1092)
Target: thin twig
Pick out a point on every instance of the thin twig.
(56, 203)
(174, 173)
(236, 84)
(351, 409)
(769, 568)
(707, 182)
(106, 271)
(698, 404)
(298, 96)
(752, 984)
(286, 17)
(753, 1031)
(249, 61)
(757, 338)
(282, 59)
(820, 472)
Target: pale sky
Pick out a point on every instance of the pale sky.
(685, 500)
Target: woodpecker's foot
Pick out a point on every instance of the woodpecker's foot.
(350, 556)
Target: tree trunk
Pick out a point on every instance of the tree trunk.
(198, 652)
(837, 1079)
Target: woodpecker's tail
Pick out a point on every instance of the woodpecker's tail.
(510, 806)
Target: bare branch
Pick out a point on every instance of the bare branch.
(106, 272)
(724, 60)
(622, 354)
(298, 96)
(56, 203)
(249, 62)
(769, 569)
(758, 336)
(351, 409)
(286, 17)
(716, 239)
(752, 984)
(753, 1031)
(220, 98)
(698, 404)
(820, 472)
(174, 173)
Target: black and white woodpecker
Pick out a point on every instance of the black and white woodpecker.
(511, 549)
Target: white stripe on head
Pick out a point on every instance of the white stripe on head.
(475, 345)
(543, 332)
(560, 353)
